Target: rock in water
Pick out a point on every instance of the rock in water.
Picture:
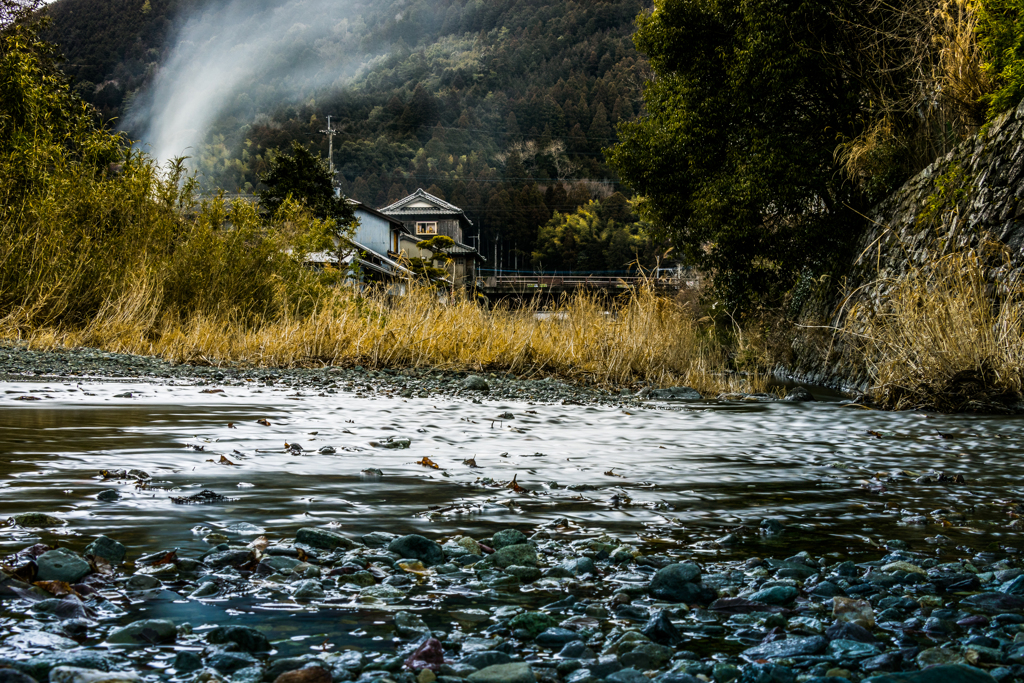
(475, 383)
(107, 548)
(677, 583)
(676, 393)
(310, 674)
(508, 537)
(661, 630)
(409, 625)
(798, 395)
(61, 565)
(429, 655)
(417, 547)
(14, 676)
(322, 538)
(947, 673)
(516, 672)
(74, 674)
(37, 519)
(145, 632)
(790, 647)
(246, 638)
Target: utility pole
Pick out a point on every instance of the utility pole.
(330, 132)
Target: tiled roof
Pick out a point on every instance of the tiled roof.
(441, 207)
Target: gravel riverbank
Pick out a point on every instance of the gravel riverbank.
(554, 606)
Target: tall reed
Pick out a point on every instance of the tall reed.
(949, 335)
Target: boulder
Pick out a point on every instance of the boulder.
(310, 674)
(677, 583)
(789, 647)
(514, 672)
(145, 632)
(507, 537)
(947, 673)
(675, 394)
(323, 539)
(107, 548)
(245, 638)
(475, 383)
(61, 565)
(74, 674)
(418, 547)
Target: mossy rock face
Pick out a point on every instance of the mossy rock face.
(534, 622)
(38, 519)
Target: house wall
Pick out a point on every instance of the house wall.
(373, 232)
(445, 226)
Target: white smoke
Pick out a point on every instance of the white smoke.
(259, 54)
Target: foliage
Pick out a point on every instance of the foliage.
(942, 340)
(501, 108)
(427, 268)
(598, 237)
(304, 177)
(1001, 33)
(88, 226)
(734, 158)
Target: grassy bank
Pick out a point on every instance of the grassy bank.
(948, 336)
(644, 339)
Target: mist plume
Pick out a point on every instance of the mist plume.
(227, 55)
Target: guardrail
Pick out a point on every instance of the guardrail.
(597, 281)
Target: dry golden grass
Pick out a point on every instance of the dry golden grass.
(948, 337)
(643, 339)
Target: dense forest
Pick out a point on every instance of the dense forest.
(502, 108)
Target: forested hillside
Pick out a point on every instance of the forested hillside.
(501, 107)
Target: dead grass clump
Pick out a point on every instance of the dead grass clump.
(643, 339)
(947, 337)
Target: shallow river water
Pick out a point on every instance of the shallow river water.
(701, 475)
(686, 470)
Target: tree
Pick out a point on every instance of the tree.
(735, 156)
(304, 177)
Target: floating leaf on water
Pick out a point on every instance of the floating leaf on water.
(231, 425)
(877, 435)
(427, 462)
(263, 421)
(212, 391)
(611, 473)
(470, 462)
(514, 485)
(224, 461)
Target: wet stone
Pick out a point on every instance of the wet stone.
(145, 632)
(142, 582)
(74, 674)
(555, 637)
(776, 595)
(9, 675)
(418, 547)
(677, 583)
(185, 662)
(37, 519)
(107, 548)
(230, 662)
(474, 383)
(245, 638)
(229, 558)
(789, 647)
(310, 674)
(579, 565)
(323, 539)
(577, 649)
(851, 649)
(953, 673)
(482, 660)
(61, 565)
(310, 589)
(108, 495)
(661, 630)
(507, 537)
(522, 554)
(408, 625)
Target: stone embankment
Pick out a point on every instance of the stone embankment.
(972, 194)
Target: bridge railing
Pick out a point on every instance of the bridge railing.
(582, 280)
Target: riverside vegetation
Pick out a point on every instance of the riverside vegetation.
(100, 247)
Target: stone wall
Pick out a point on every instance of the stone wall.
(924, 219)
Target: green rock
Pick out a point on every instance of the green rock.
(946, 673)
(515, 672)
(362, 579)
(324, 539)
(145, 632)
(310, 589)
(507, 537)
(37, 519)
(61, 565)
(645, 656)
(523, 554)
(776, 595)
(534, 622)
(279, 563)
(524, 574)
(246, 638)
(107, 548)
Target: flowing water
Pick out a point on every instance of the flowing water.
(841, 477)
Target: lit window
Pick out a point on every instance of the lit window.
(426, 228)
